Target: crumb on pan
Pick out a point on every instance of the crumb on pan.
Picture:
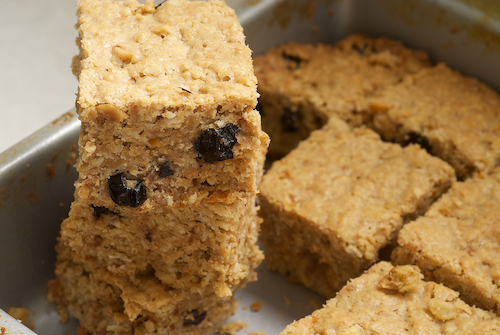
(232, 327)
(22, 315)
(287, 301)
(256, 306)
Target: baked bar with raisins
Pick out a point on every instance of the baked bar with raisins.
(171, 151)
(211, 246)
(302, 85)
(335, 201)
(456, 118)
(169, 137)
(395, 300)
(457, 241)
(120, 305)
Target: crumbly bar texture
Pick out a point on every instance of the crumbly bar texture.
(106, 304)
(454, 116)
(171, 148)
(164, 220)
(302, 85)
(207, 247)
(166, 97)
(342, 195)
(457, 243)
(395, 300)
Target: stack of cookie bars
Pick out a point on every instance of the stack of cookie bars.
(371, 140)
(164, 224)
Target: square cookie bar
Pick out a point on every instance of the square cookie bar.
(302, 85)
(164, 225)
(171, 148)
(457, 242)
(341, 196)
(166, 98)
(455, 117)
(105, 303)
(209, 247)
(395, 300)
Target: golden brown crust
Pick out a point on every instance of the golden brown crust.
(456, 243)
(302, 85)
(458, 116)
(107, 304)
(164, 221)
(151, 58)
(366, 307)
(340, 197)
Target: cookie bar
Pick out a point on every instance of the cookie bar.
(164, 224)
(211, 246)
(170, 140)
(166, 99)
(395, 300)
(117, 305)
(341, 196)
(457, 244)
(302, 85)
(453, 116)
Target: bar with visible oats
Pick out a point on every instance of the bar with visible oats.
(332, 204)
(395, 300)
(455, 117)
(302, 85)
(171, 154)
(456, 243)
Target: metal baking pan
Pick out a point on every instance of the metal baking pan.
(36, 175)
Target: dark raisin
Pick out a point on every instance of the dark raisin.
(124, 195)
(361, 49)
(259, 108)
(194, 318)
(100, 210)
(293, 59)
(165, 170)
(416, 138)
(216, 145)
(290, 120)
(148, 233)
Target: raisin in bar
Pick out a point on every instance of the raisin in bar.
(117, 305)
(395, 300)
(302, 85)
(457, 243)
(342, 195)
(454, 116)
